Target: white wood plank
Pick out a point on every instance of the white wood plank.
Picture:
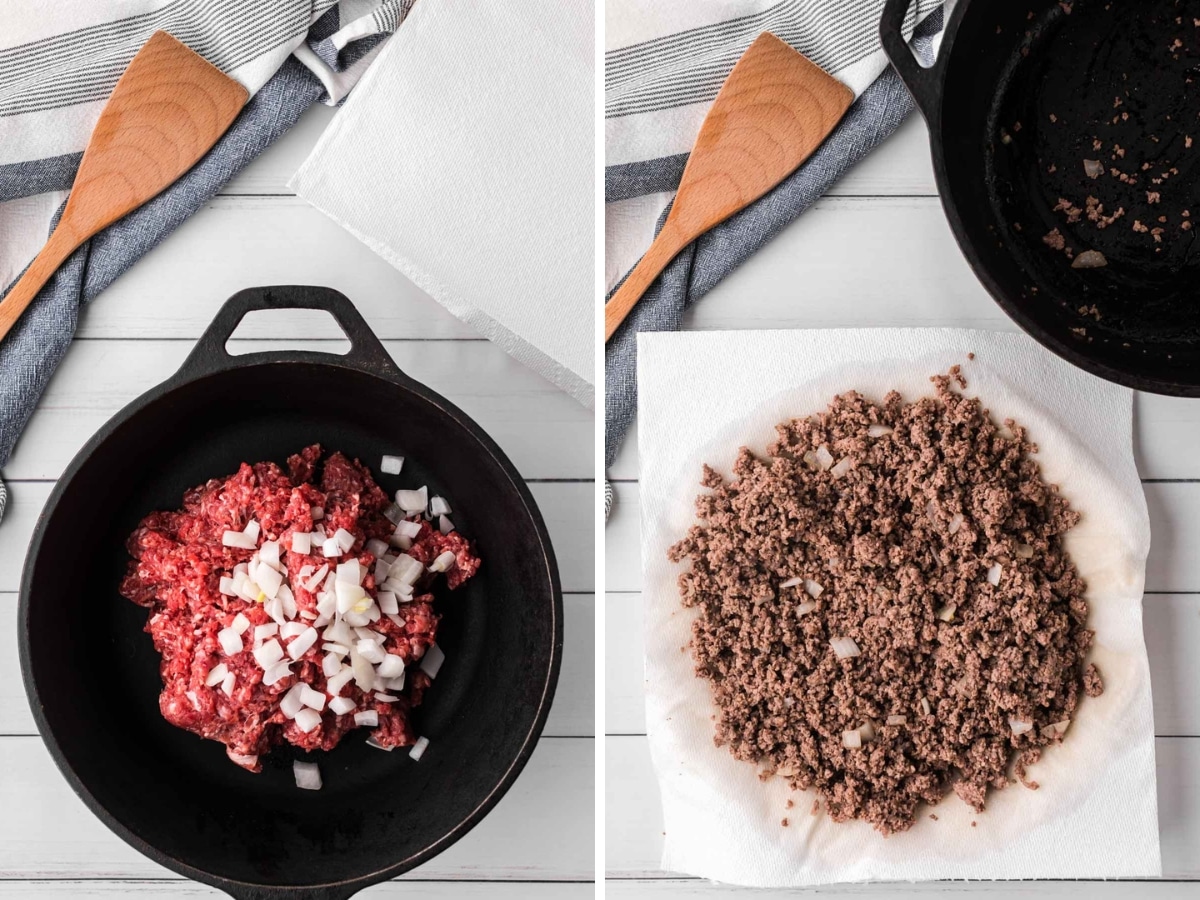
(679, 889)
(1173, 564)
(572, 715)
(566, 507)
(634, 829)
(239, 242)
(545, 432)
(1171, 624)
(391, 890)
(541, 830)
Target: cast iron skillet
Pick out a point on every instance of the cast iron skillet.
(1021, 93)
(92, 675)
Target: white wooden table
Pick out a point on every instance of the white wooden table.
(538, 842)
(878, 252)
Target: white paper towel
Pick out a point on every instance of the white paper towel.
(466, 158)
(704, 394)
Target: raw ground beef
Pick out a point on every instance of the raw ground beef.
(922, 532)
(179, 560)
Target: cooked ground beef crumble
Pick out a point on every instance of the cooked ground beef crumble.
(923, 533)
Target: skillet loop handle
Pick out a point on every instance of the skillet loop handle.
(921, 82)
(330, 892)
(366, 352)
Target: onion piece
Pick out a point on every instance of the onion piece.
(268, 654)
(993, 574)
(239, 540)
(956, 521)
(443, 562)
(844, 465)
(269, 553)
(240, 623)
(413, 501)
(387, 602)
(292, 702)
(335, 684)
(292, 629)
(877, 431)
(307, 719)
(823, 458)
(274, 609)
(393, 513)
(330, 548)
(301, 543)
(303, 643)
(925, 708)
(339, 633)
(277, 673)
(445, 526)
(348, 594)
(439, 507)
(315, 581)
(341, 705)
(216, 674)
(376, 547)
(391, 667)
(227, 684)
(252, 530)
(289, 601)
(897, 720)
(385, 698)
(1054, 729)
(230, 641)
(364, 672)
(225, 586)
(1089, 259)
(331, 664)
(368, 718)
(371, 742)
(1093, 168)
(269, 580)
(418, 749)
(344, 539)
(431, 662)
(262, 632)
(350, 572)
(311, 698)
(806, 607)
(946, 613)
(1020, 726)
(791, 582)
(852, 740)
(308, 776)
(408, 528)
(391, 465)
(867, 730)
(369, 650)
(813, 589)
(844, 647)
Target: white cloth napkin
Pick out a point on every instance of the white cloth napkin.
(465, 158)
(702, 395)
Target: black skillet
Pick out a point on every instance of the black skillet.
(1022, 92)
(92, 675)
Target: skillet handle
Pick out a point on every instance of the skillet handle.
(246, 892)
(366, 351)
(921, 82)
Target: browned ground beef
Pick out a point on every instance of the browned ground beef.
(908, 581)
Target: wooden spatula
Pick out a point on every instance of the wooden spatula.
(168, 108)
(774, 110)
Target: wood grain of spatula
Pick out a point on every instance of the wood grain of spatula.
(167, 110)
(775, 108)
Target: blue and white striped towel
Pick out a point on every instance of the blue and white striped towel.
(58, 64)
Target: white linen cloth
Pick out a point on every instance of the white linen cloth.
(665, 60)
(704, 394)
(465, 158)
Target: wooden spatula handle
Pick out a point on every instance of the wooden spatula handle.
(62, 244)
(664, 249)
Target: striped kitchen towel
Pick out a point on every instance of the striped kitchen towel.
(666, 61)
(58, 64)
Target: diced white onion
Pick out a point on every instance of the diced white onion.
(301, 543)
(292, 629)
(791, 582)
(226, 586)
(391, 465)
(248, 761)
(341, 705)
(844, 465)
(897, 720)
(371, 742)
(408, 528)
(230, 641)
(289, 601)
(238, 539)
(303, 643)
(369, 650)
(413, 501)
(851, 740)
(946, 613)
(431, 662)
(349, 572)
(274, 609)
(925, 708)
(313, 699)
(406, 570)
(315, 581)
(262, 632)
(368, 717)
(1054, 729)
(387, 602)
(344, 539)
(806, 607)
(439, 507)
(445, 526)
(269, 580)
(956, 521)
(867, 730)
(382, 568)
(376, 547)
(307, 720)
(418, 749)
(292, 702)
(813, 589)
(240, 623)
(335, 684)
(993, 574)
(877, 431)
(393, 513)
(1019, 726)
(339, 633)
(191, 695)
(277, 672)
(386, 698)
(823, 457)
(844, 647)
(366, 634)
(331, 664)
(394, 684)
(269, 553)
(227, 684)
(335, 649)
(308, 776)
(252, 530)
(216, 674)
(327, 603)
(364, 672)
(268, 654)
(348, 594)
(443, 562)
(391, 667)
(330, 548)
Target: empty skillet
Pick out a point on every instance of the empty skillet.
(91, 673)
(1066, 133)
